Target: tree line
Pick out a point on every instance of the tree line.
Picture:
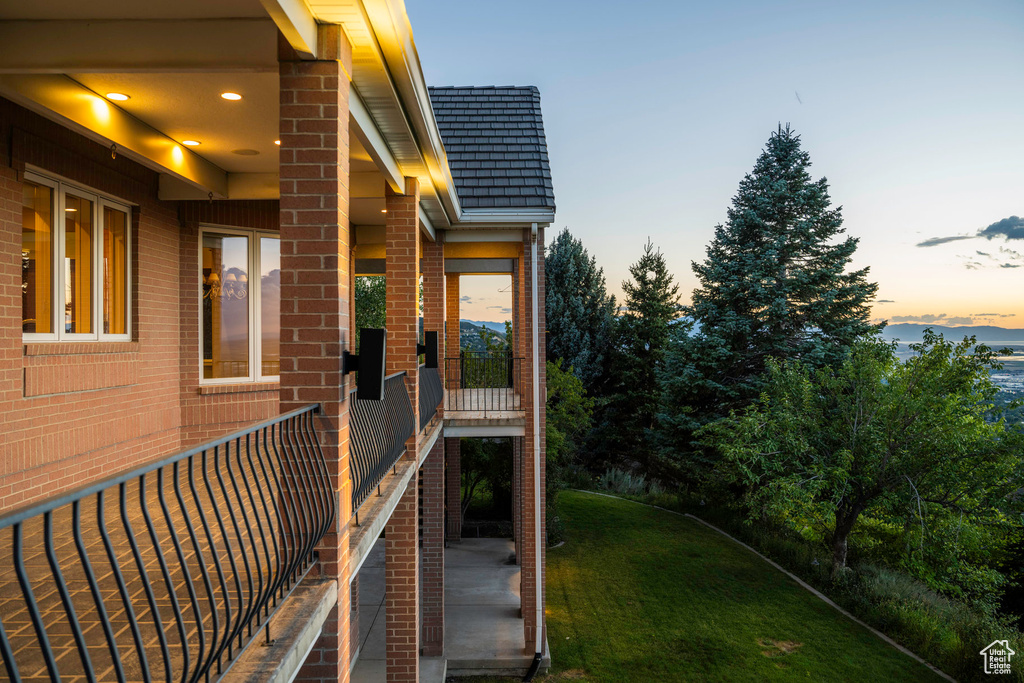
(772, 393)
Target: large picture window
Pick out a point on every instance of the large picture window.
(241, 316)
(75, 269)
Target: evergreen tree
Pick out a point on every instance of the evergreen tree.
(642, 334)
(580, 312)
(774, 285)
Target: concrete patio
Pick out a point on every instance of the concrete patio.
(483, 627)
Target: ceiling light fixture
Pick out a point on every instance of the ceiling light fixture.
(190, 143)
(383, 210)
(277, 142)
(117, 96)
(70, 210)
(233, 96)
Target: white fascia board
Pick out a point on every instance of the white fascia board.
(374, 142)
(482, 431)
(523, 217)
(390, 24)
(296, 23)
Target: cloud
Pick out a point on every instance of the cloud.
(503, 309)
(926, 318)
(1011, 228)
(466, 299)
(885, 301)
(935, 241)
(994, 315)
(982, 253)
(960, 320)
(1009, 265)
(1011, 254)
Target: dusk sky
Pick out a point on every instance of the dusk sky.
(914, 111)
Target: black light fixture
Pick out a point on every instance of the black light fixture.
(428, 348)
(370, 363)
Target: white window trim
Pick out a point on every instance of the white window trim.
(60, 188)
(255, 299)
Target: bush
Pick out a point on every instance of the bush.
(624, 483)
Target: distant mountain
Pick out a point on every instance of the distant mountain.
(497, 327)
(469, 334)
(912, 332)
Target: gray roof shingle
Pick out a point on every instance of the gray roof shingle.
(497, 152)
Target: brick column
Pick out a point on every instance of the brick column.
(517, 496)
(532, 545)
(314, 163)
(453, 473)
(433, 552)
(434, 303)
(402, 236)
(401, 573)
(453, 345)
(402, 244)
(353, 620)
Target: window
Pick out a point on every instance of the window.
(241, 319)
(74, 276)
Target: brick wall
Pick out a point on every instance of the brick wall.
(73, 412)
(208, 412)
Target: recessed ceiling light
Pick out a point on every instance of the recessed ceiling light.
(383, 210)
(245, 152)
(190, 143)
(277, 142)
(117, 96)
(231, 96)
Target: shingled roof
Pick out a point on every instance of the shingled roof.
(497, 152)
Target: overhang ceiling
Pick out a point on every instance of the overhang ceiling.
(189, 107)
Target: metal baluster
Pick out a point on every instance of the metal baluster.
(30, 600)
(94, 589)
(215, 649)
(65, 597)
(133, 622)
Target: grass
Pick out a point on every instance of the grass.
(639, 594)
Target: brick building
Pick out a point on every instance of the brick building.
(187, 191)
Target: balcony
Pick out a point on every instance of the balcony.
(172, 570)
(484, 395)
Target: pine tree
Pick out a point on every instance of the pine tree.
(774, 285)
(580, 312)
(642, 335)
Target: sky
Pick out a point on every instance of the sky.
(654, 111)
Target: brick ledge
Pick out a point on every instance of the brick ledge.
(240, 388)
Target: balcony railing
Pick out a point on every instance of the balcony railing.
(431, 394)
(487, 382)
(168, 571)
(379, 430)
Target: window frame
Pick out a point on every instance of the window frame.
(61, 187)
(255, 299)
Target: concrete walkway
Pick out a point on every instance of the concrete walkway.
(483, 627)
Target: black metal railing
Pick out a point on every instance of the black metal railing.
(379, 430)
(170, 570)
(479, 381)
(431, 394)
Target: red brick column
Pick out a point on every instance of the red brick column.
(315, 291)
(517, 496)
(434, 303)
(433, 552)
(453, 473)
(354, 618)
(453, 344)
(401, 574)
(532, 545)
(402, 236)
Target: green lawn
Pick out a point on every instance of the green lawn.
(639, 594)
